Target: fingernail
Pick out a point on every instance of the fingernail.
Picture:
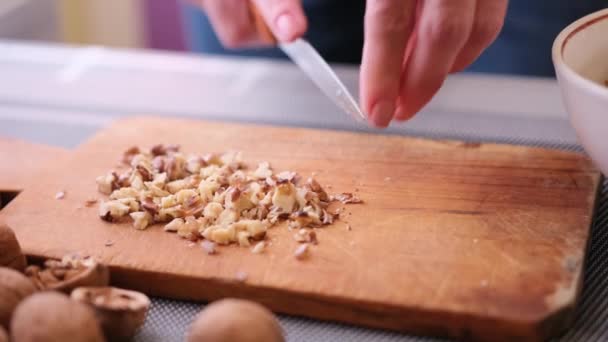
(285, 27)
(403, 114)
(382, 113)
(400, 114)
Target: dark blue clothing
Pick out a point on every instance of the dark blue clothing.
(336, 30)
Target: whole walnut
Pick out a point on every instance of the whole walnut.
(14, 287)
(52, 317)
(240, 320)
(10, 251)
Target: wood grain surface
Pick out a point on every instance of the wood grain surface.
(473, 241)
(20, 161)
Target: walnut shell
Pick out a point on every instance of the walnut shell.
(53, 317)
(14, 287)
(120, 312)
(3, 335)
(235, 320)
(10, 251)
(69, 273)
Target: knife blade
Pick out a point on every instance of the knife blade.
(316, 68)
(308, 59)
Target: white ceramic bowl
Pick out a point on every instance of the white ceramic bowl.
(580, 56)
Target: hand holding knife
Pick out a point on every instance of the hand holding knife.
(314, 66)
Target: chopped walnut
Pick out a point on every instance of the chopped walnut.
(256, 229)
(286, 176)
(227, 217)
(208, 247)
(301, 252)
(212, 210)
(259, 247)
(347, 197)
(237, 200)
(285, 197)
(263, 171)
(106, 184)
(305, 235)
(141, 219)
(149, 205)
(177, 185)
(242, 238)
(189, 229)
(124, 193)
(128, 155)
(113, 210)
(174, 225)
(215, 197)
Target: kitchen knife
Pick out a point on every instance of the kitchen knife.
(310, 61)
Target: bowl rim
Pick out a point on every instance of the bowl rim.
(559, 45)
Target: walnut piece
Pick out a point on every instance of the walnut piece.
(259, 247)
(208, 247)
(71, 271)
(347, 197)
(301, 252)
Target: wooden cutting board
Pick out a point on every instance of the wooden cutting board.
(19, 163)
(473, 241)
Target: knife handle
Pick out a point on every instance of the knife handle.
(261, 27)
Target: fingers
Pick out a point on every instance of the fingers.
(442, 30)
(232, 22)
(489, 19)
(388, 26)
(285, 18)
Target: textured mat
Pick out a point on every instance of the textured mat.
(168, 320)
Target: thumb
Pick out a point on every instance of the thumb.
(285, 18)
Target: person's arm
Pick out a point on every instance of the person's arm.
(410, 45)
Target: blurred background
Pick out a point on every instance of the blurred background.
(523, 47)
(118, 23)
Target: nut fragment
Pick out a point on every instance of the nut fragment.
(14, 287)
(106, 184)
(208, 247)
(53, 317)
(347, 197)
(120, 312)
(128, 155)
(263, 171)
(174, 225)
(301, 252)
(68, 273)
(10, 250)
(113, 210)
(305, 235)
(259, 247)
(235, 320)
(285, 197)
(141, 219)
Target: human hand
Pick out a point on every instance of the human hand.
(412, 45)
(235, 27)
